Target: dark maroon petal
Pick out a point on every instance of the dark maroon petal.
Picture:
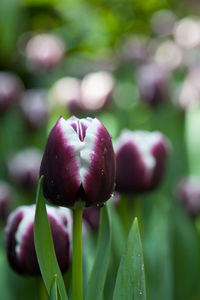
(160, 151)
(27, 258)
(92, 216)
(60, 166)
(99, 176)
(61, 243)
(10, 231)
(131, 170)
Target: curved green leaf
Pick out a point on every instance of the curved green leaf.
(98, 274)
(44, 247)
(130, 283)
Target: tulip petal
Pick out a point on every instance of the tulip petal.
(61, 163)
(97, 164)
(160, 152)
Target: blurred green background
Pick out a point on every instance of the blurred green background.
(97, 35)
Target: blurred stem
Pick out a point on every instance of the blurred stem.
(129, 208)
(42, 290)
(77, 273)
(137, 210)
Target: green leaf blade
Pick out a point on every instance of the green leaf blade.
(54, 289)
(44, 247)
(130, 283)
(98, 274)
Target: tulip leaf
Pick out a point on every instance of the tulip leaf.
(192, 125)
(54, 289)
(130, 282)
(44, 247)
(98, 274)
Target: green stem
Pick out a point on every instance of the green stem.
(77, 276)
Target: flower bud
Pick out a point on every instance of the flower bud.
(140, 160)
(24, 167)
(10, 90)
(188, 192)
(78, 163)
(44, 52)
(153, 81)
(20, 239)
(34, 107)
(5, 200)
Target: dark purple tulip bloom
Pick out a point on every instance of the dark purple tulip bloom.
(34, 107)
(188, 192)
(20, 240)
(153, 84)
(10, 90)
(96, 90)
(135, 49)
(44, 52)
(66, 92)
(140, 160)
(78, 163)
(92, 214)
(5, 200)
(24, 167)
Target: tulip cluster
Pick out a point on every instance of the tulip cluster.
(90, 94)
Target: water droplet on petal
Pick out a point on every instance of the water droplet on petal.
(105, 150)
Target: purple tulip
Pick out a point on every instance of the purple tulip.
(140, 160)
(153, 82)
(24, 167)
(10, 90)
(78, 163)
(96, 90)
(5, 200)
(34, 107)
(44, 52)
(188, 192)
(66, 92)
(20, 241)
(91, 215)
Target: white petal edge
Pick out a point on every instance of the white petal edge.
(83, 150)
